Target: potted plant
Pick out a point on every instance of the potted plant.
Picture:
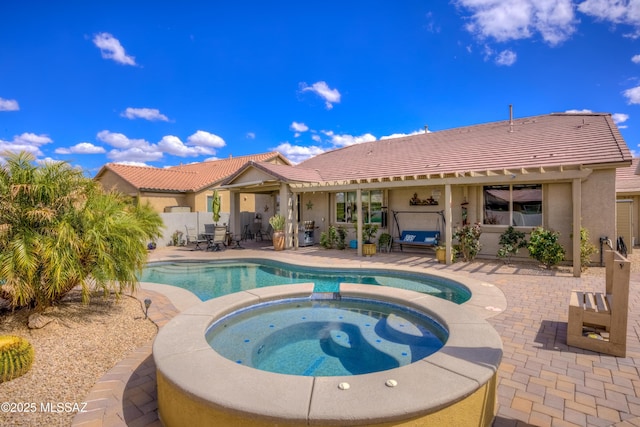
(384, 242)
(277, 223)
(368, 231)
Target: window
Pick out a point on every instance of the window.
(518, 205)
(347, 208)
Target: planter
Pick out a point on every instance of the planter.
(441, 254)
(278, 240)
(368, 249)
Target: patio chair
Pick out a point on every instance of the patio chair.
(219, 239)
(192, 237)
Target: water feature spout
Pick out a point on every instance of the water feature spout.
(326, 296)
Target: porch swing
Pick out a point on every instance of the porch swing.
(424, 238)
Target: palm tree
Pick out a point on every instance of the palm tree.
(59, 230)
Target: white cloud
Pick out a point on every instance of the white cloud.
(119, 140)
(81, 148)
(400, 135)
(129, 150)
(346, 140)
(502, 20)
(151, 114)
(635, 59)
(619, 118)
(110, 48)
(330, 96)
(251, 135)
(173, 145)
(615, 11)
(583, 111)
(632, 95)
(9, 105)
(139, 150)
(27, 141)
(316, 137)
(135, 155)
(506, 58)
(205, 139)
(298, 153)
(299, 127)
(128, 163)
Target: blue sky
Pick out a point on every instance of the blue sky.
(163, 83)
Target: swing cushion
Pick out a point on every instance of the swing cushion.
(419, 237)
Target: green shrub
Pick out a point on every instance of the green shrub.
(329, 238)
(16, 357)
(469, 241)
(341, 241)
(586, 249)
(544, 247)
(510, 242)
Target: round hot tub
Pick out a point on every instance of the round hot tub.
(326, 335)
(428, 361)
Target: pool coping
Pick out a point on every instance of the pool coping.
(468, 360)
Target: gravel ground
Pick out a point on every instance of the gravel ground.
(71, 353)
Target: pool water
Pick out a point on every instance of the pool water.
(217, 278)
(326, 338)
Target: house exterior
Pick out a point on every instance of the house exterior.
(628, 204)
(183, 188)
(557, 171)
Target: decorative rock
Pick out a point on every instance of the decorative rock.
(391, 383)
(39, 321)
(344, 386)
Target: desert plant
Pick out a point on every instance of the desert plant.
(586, 249)
(60, 230)
(277, 222)
(16, 357)
(368, 231)
(511, 241)
(468, 238)
(544, 247)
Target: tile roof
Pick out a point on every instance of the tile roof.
(628, 179)
(540, 141)
(280, 172)
(183, 178)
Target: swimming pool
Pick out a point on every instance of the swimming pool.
(211, 279)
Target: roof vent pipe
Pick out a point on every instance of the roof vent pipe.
(426, 128)
(510, 117)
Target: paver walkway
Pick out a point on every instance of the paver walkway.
(541, 381)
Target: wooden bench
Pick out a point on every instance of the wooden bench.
(426, 238)
(598, 321)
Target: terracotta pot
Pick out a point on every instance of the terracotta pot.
(278, 240)
(368, 249)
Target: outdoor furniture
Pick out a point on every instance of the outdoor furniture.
(598, 321)
(247, 234)
(192, 237)
(428, 238)
(217, 239)
(237, 240)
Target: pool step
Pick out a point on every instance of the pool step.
(403, 330)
